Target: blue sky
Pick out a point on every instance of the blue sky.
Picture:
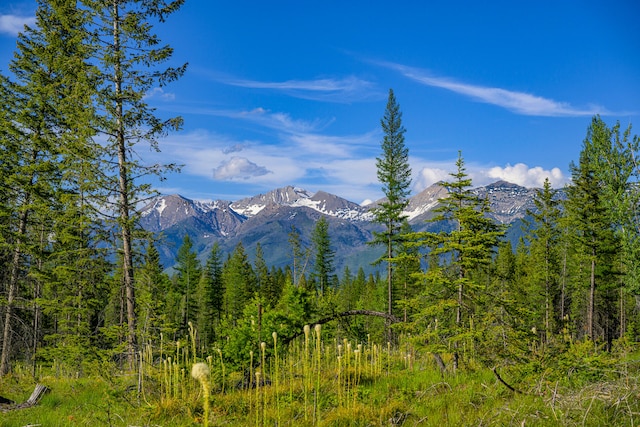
(291, 92)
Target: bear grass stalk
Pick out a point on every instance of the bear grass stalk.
(275, 376)
(201, 372)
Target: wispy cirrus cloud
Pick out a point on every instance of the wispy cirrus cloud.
(158, 93)
(278, 121)
(341, 90)
(13, 24)
(517, 102)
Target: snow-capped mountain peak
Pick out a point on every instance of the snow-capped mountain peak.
(287, 196)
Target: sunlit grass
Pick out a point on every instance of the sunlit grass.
(315, 381)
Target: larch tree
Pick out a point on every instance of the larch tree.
(394, 173)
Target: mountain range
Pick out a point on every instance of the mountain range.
(269, 218)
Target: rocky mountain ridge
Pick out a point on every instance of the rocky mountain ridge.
(268, 219)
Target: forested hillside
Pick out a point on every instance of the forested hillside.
(82, 288)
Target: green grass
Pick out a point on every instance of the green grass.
(378, 387)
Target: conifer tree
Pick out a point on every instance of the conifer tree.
(300, 257)
(591, 223)
(239, 282)
(186, 283)
(153, 285)
(210, 296)
(130, 57)
(47, 126)
(261, 269)
(544, 239)
(617, 168)
(466, 248)
(408, 267)
(394, 174)
(323, 270)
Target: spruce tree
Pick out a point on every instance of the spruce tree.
(617, 168)
(543, 234)
(394, 173)
(323, 270)
(47, 127)
(210, 296)
(591, 225)
(186, 283)
(466, 248)
(239, 282)
(153, 285)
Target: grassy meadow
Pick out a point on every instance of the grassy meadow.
(314, 381)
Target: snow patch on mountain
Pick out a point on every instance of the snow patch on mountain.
(161, 206)
(425, 201)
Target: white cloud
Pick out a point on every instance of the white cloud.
(525, 176)
(238, 168)
(428, 176)
(159, 93)
(213, 156)
(517, 102)
(520, 174)
(263, 117)
(345, 89)
(304, 160)
(329, 145)
(13, 24)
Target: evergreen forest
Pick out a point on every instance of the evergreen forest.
(458, 327)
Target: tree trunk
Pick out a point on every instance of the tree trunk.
(123, 190)
(389, 281)
(592, 296)
(13, 291)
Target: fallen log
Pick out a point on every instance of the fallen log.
(510, 387)
(33, 400)
(5, 401)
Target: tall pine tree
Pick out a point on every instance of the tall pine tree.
(130, 57)
(394, 173)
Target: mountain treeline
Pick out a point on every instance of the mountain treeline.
(81, 283)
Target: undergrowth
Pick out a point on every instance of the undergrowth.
(337, 383)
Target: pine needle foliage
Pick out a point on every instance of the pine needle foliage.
(394, 173)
